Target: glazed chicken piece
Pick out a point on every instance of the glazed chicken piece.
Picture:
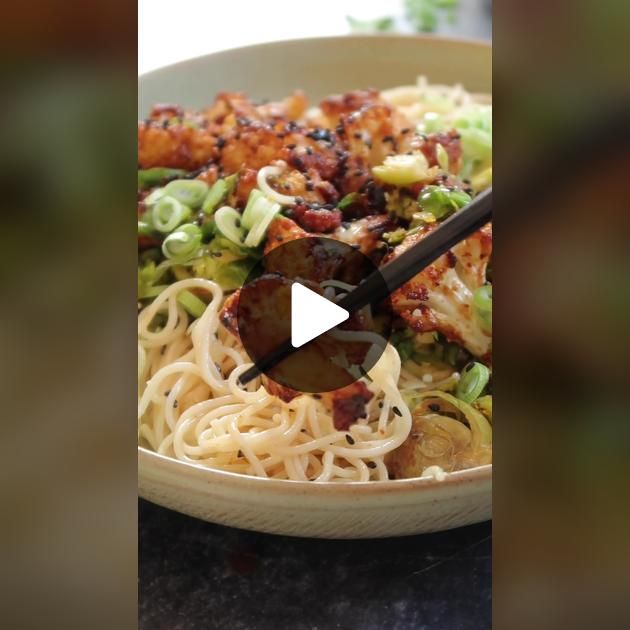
(440, 297)
(175, 145)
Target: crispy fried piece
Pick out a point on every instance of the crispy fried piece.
(283, 230)
(316, 219)
(440, 297)
(335, 106)
(348, 404)
(254, 144)
(175, 146)
(290, 108)
(230, 106)
(374, 132)
(166, 111)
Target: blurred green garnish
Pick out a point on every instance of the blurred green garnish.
(379, 25)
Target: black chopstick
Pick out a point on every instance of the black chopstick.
(400, 270)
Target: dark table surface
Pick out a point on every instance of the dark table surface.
(197, 575)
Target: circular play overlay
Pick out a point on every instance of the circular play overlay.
(330, 269)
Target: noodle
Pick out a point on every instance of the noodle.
(193, 408)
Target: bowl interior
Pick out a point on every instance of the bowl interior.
(319, 66)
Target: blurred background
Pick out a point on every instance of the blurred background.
(562, 305)
(198, 27)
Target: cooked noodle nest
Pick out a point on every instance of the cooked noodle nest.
(192, 406)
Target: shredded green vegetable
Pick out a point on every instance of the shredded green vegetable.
(479, 425)
(193, 305)
(148, 178)
(441, 201)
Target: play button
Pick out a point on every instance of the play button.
(312, 315)
(289, 300)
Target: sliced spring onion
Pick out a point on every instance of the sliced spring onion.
(273, 171)
(261, 214)
(402, 170)
(193, 305)
(442, 157)
(218, 192)
(482, 180)
(168, 213)
(431, 122)
(190, 192)
(482, 307)
(248, 219)
(228, 222)
(150, 177)
(441, 201)
(395, 237)
(472, 382)
(182, 244)
(154, 197)
(348, 200)
(144, 228)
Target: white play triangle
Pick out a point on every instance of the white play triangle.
(312, 315)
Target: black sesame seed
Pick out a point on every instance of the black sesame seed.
(167, 392)
(349, 439)
(371, 464)
(175, 404)
(240, 453)
(468, 367)
(397, 411)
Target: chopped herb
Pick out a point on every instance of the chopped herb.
(348, 200)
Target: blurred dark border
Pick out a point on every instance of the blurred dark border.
(563, 304)
(562, 114)
(67, 161)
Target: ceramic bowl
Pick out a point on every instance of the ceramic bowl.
(320, 66)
